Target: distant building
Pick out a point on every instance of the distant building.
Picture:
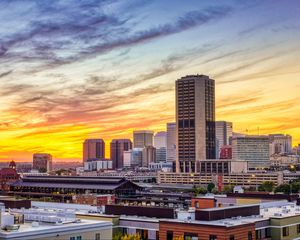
(280, 144)
(160, 143)
(149, 156)
(142, 138)
(98, 165)
(223, 135)
(93, 149)
(133, 158)
(251, 148)
(117, 148)
(8, 175)
(195, 118)
(226, 152)
(171, 142)
(42, 162)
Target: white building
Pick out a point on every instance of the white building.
(98, 165)
(171, 142)
(41, 224)
(160, 143)
(252, 148)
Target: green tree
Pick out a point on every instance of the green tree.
(267, 187)
(228, 189)
(199, 190)
(284, 188)
(210, 187)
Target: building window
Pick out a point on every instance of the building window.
(231, 237)
(97, 236)
(190, 236)
(213, 237)
(78, 238)
(298, 228)
(250, 236)
(285, 231)
(169, 235)
(267, 232)
(72, 238)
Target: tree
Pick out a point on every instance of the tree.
(228, 189)
(266, 187)
(285, 188)
(210, 187)
(199, 190)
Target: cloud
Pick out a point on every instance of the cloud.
(4, 74)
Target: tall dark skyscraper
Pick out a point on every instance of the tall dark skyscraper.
(117, 148)
(93, 149)
(195, 118)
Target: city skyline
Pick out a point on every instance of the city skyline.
(102, 70)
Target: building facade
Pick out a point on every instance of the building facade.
(142, 138)
(93, 149)
(223, 134)
(42, 162)
(171, 142)
(280, 144)
(160, 143)
(149, 156)
(251, 148)
(117, 148)
(195, 118)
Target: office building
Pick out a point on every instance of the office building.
(133, 158)
(251, 148)
(142, 138)
(117, 148)
(42, 162)
(223, 134)
(280, 144)
(149, 156)
(171, 142)
(195, 118)
(160, 143)
(93, 149)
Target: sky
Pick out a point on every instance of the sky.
(71, 70)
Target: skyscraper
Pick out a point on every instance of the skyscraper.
(223, 134)
(195, 118)
(117, 148)
(160, 143)
(171, 142)
(93, 149)
(142, 138)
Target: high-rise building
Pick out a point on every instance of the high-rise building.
(280, 144)
(223, 134)
(42, 162)
(142, 138)
(251, 148)
(195, 118)
(149, 156)
(171, 142)
(133, 158)
(93, 149)
(117, 148)
(160, 143)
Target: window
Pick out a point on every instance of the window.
(97, 236)
(72, 238)
(250, 236)
(169, 235)
(285, 231)
(78, 238)
(190, 236)
(231, 237)
(267, 232)
(213, 237)
(298, 228)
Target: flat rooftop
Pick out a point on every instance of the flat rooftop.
(26, 231)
